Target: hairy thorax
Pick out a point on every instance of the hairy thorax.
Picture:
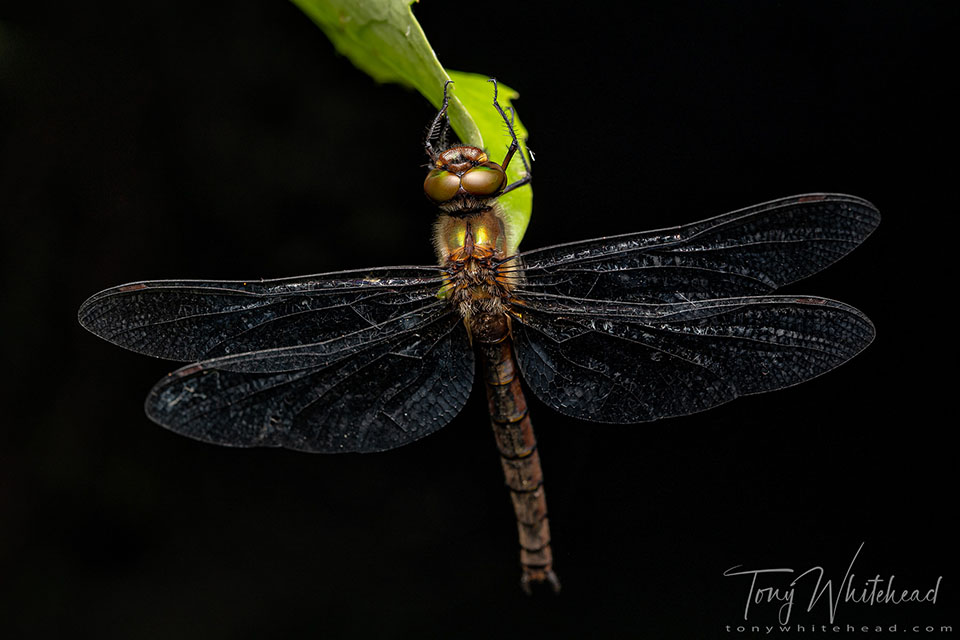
(471, 247)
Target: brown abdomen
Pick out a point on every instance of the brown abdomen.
(518, 447)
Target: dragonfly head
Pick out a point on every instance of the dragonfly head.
(463, 180)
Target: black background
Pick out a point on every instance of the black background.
(163, 140)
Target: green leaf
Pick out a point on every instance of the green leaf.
(383, 39)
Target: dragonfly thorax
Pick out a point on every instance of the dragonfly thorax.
(472, 250)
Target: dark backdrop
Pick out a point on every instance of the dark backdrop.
(161, 140)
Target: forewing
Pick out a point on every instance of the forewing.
(191, 320)
(747, 252)
(370, 395)
(629, 362)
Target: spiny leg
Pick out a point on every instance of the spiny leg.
(514, 144)
(445, 134)
(438, 128)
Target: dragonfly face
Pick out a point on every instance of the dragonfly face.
(464, 181)
(622, 329)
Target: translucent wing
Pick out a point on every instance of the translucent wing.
(379, 388)
(631, 362)
(747, 252)
(193, 320)
(350, 361)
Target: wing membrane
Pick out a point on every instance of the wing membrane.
(194, 320)
(751, 251)
(629, 362)
(394, 388)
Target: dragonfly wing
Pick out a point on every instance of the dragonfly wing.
(627, 362)
(191, 320)
(747, 252)
(368, 395)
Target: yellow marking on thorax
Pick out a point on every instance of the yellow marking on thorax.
(473, 247)
(485, 229)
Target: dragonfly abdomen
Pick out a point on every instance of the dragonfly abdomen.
(517, 444)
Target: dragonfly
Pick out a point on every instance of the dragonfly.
(622, 329)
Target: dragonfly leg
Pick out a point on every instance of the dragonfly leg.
(514, 144)
(438, 128)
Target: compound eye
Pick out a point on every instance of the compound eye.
(441, 185)
(484, 180)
